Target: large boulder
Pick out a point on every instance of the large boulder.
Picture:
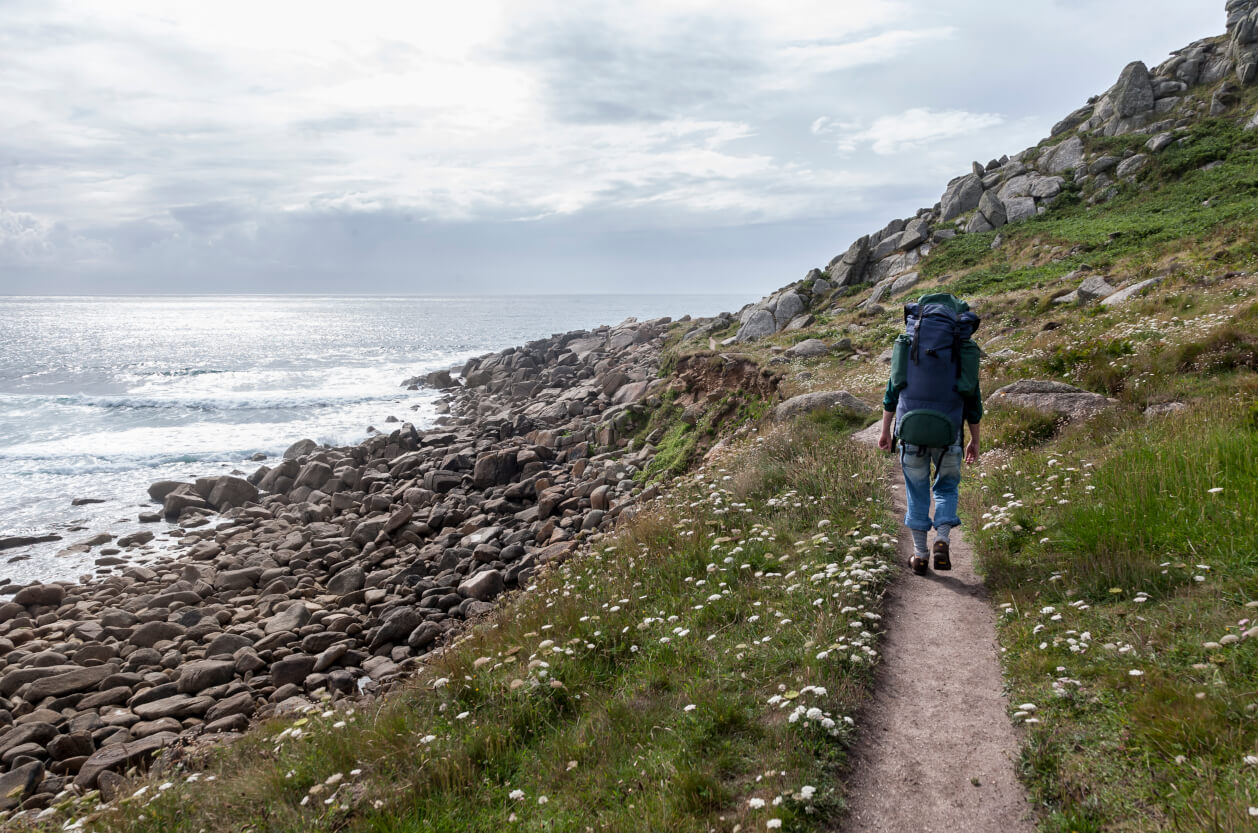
(808, 349)
(40, 594)
(18, 784)
(1094, 289)
(206, 673)
(1064, 157)
(495, 469)
(229, 492)
(962, 195)
(300, 449)
(759, 325)
(1053, 397)
(848, 268)
(483, 586)
(59, 685)
(1126, 294)
(1133, 94)
(120, 756)
(823, 400)
(992, 209)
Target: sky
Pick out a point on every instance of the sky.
(516, 146)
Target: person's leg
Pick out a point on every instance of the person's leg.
(946, 487)
(916, 469)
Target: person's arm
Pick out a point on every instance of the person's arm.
(884, 439)
(972, 450)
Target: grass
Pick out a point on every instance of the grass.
(579, 705)
(1123, 570)
(1206, 216)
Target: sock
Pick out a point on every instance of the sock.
(942, 533)
(919, 541)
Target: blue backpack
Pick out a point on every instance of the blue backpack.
(933, 363)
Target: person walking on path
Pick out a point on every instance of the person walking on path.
(932, 392)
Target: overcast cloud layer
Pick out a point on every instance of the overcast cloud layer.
(515, 145)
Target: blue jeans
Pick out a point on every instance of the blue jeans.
(918, 487)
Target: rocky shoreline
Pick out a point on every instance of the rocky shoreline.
(333, 572)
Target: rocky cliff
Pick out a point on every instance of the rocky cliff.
(1203, 79)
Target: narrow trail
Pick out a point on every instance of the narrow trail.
(937, 751)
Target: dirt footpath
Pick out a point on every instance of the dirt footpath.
(937, 750)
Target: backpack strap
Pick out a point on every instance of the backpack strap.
(915, 353)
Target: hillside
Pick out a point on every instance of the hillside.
(699, 660)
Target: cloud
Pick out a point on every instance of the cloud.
(149, 141)
(907, 131)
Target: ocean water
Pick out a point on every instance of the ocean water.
(99, 397)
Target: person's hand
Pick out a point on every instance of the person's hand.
(884, 440)
(971, 452)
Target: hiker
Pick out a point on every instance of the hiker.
(932, 392)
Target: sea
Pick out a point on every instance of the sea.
(101, 396)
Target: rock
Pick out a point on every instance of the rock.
(226, 645)
(120, 756)
(1053, 397)
(229, 492)
(1046, 187)
(788, 307)
(290, 618)
(759, 325)
(48, 595)
(992, 209)
(441, 380)
(962, 196)
(849, 268)
(1133, 94)
(180, 706)
(824, 400)
(159, 490)
(903, 283)
(150, 633)
(810, 349)
(294, 670)
(37, 733)
(1159, 142)
(183, 497)
(423, 636)
(978, 224)
(202, 674)
(494, 469)
(313, 475)
(240, 703)
(70, 682)
(236, 580)
(395, 627)
(1124, 295)
(1072, 121)
(20, 783)
(1094, 289)
(73, 745)
(11, 541)
(347, 581)
(1064, 157)
(135, 539)
(1018, 209)
(483, 586)
(1165, 409)
(1129, 167)
(301, 448)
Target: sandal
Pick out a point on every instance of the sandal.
(918, 564)
(942, 561)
